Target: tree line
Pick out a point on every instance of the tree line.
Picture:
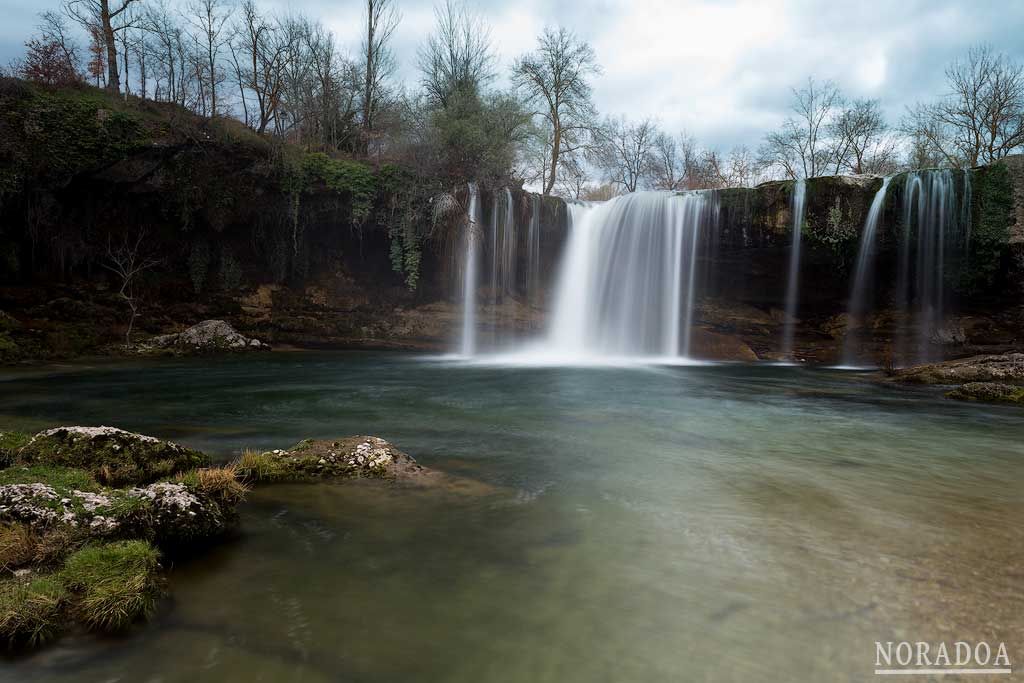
(287, 76)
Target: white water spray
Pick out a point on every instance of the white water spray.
(793, 281)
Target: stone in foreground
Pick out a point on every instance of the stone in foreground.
(350, 457)
(113, 456)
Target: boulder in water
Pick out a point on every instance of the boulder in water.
(1007, 367)
(989, 392)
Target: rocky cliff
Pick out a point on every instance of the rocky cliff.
(298, 248)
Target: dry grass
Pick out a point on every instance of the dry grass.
(220, 483)
(17, 546)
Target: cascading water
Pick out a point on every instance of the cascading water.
(935, 227)
(533, 253)
(503, 264)
(862, 281)
(793, 281)
(469, 272)
(627, 284)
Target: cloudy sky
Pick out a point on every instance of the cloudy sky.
(720, 69)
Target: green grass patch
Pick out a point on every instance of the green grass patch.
(10, 442)
(62, 479)
(31, 611)
(116, 583)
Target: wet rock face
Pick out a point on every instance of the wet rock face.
(113, 456)
(208, 336)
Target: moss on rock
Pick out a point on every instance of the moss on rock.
(989, 392)
(351, 457)
(113, 456)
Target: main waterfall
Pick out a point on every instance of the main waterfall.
(627, 283)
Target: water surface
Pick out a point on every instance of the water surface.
(704, 523)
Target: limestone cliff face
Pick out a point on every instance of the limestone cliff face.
(294, 248)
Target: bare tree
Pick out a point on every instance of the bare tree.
(799, 149)
(981, 119)
(861, 142)
(260, 52)
(624, 151)
(458, 56)
(127, 262)
(209, 20)
(106, 18)
(556, 78)
(378, 59)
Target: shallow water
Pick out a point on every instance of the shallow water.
(705, 523)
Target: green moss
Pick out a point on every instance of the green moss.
(10, 442)
(990, 230)
(31, 611)
(117, 458)
(60, 478)
(352, 178)
(115, 583)
(60, 133)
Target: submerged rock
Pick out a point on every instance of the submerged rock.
(350, 457)
(113, 456)
(990, 392)
(208, 336)
(1007, 367)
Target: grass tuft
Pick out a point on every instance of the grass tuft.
(254, 466)
(17, 546)
(219, 483)
(117, 583)
(30, 611)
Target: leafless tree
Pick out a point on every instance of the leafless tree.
(108, 18)
(860, 139)
(259, 53)
(556, 78)
(624, 151)
(127, 261)
(458, 56)
(981, 119)
(379, 64)
(799, 149)
(209, 22)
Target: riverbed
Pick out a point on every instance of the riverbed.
(643, 523)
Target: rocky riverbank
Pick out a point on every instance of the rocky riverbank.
(89, 516)
(989, 378)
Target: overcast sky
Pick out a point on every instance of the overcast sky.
(721, 70)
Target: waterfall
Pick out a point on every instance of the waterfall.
(533, 253)
(793, 281)
(469, 273)
(627, 281)
(935, 226)
(862, 282)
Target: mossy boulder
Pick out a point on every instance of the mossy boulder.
(1007, 367)
(989, 392)
(113, 456)
(350, 457)
(172, 515)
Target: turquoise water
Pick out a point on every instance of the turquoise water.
(703, 523)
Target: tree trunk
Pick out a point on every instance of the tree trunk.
(556, 143)
(113, 80)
